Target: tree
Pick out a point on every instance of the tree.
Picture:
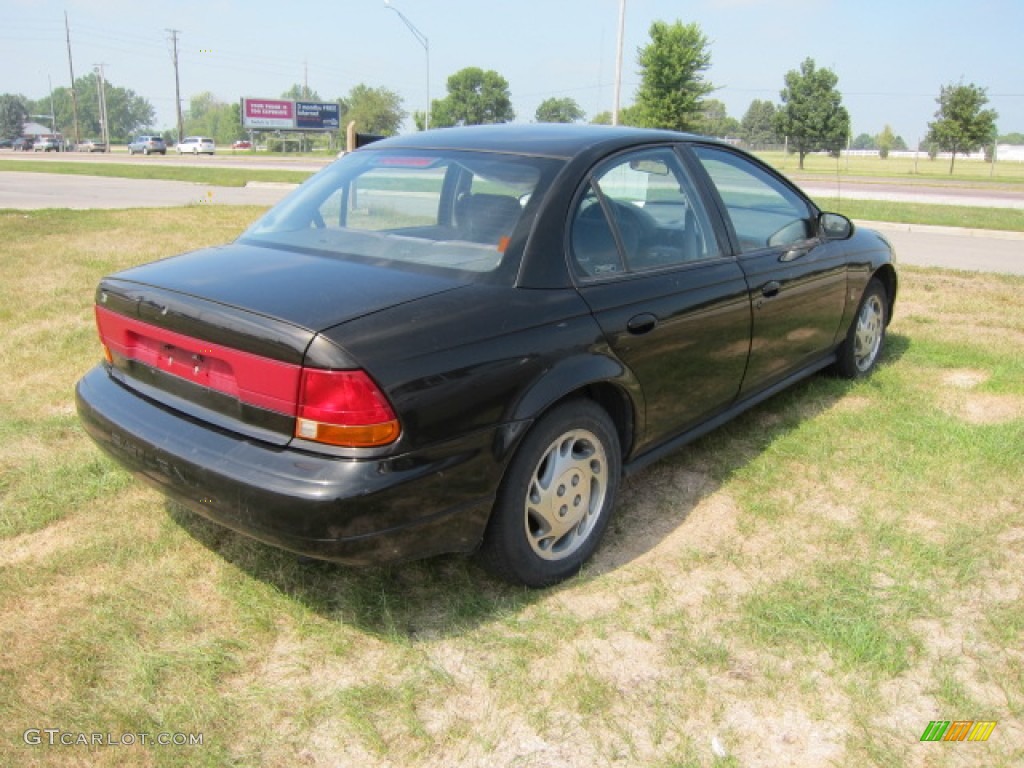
(299, 92)
(208, 116)
(1012, 138)
(812, 115)
(715, 121)
(127, 112)
(475, 97)
(627, 116)
(885, 141)
(672, 85)
(13, 114)
(962, 125)
(864, 141)
(757, 127)
(375, 110)
(564, 110)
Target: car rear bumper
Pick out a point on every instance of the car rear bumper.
(354, 511)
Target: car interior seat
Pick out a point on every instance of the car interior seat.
(485, 218)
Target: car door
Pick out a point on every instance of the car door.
(797, 279)
(671, 302)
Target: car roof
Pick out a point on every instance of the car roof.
(542, 139)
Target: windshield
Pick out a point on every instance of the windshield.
(434, 208)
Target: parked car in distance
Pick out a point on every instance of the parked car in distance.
(6, 143)
(46, 144)
(243, 144)
(147, 145)
(22, 144)
(460, 340)
(196, 145)
(92, 145)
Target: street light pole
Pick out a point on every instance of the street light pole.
(422, 39)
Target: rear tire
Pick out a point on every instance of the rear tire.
(556, 499)
(859, 353)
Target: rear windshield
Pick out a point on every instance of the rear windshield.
(441, 209)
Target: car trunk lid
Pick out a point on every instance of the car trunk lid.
(224, 334)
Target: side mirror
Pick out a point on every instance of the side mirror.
(835, 226)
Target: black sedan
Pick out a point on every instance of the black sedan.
(460, 340)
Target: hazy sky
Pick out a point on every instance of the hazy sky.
(891, 57)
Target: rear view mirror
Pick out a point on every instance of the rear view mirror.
(651, 167)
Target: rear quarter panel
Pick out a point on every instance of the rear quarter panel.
(479, 358)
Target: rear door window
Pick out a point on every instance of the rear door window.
(639, 212)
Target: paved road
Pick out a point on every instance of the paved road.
(29, 191)
(967, 249)
(937, 194)
(915, 244)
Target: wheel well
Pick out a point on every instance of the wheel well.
(615, 403)
(887, 276)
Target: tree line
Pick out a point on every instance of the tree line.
(673, 94)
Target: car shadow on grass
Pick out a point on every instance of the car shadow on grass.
(451, 594)
(656, 501)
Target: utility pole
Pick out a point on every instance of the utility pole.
(71, 69)
(618, 63)
(53, 117)
(177, 83)
(101, 88)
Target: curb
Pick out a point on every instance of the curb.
(890, 226)
(269, 185)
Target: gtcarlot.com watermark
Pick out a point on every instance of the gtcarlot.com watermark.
(57, 737)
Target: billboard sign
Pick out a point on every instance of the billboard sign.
(268, 113)
(286, 115)
(312, 116)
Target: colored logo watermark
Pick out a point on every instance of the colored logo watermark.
(958, 730)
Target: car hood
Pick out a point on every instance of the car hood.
(312, 291)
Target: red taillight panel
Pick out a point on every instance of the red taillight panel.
(252, 379)
(344, 408)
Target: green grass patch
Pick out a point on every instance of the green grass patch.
(971, 217)
(142, 169)
(973, 172)
(835, 609)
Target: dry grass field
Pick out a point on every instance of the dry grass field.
(809, 586)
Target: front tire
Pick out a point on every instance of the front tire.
(556, 499)
(860, 351)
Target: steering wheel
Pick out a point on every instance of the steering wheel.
(634, 225)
